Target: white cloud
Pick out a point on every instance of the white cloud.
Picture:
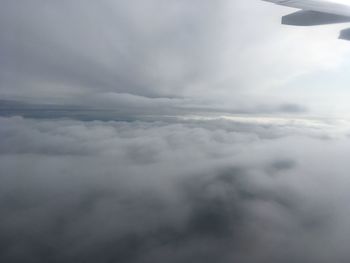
(133, 192)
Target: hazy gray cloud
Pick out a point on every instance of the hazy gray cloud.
(110, 52)
(130, 108)
(151, 48)
(75, 191)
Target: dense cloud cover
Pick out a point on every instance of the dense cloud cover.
(187, 191)
(159, 131)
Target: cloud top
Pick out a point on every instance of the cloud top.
(176, 192)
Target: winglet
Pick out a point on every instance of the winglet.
(345, 34)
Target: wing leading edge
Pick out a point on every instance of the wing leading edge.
(316, 12)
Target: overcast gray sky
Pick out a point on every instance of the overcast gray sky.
(232, 54)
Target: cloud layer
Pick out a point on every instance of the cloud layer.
(201, 191)
(171, 175)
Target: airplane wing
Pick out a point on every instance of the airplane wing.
(323, 6)
(317, 12)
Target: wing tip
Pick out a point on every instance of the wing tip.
(345, 34)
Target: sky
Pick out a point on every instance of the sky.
(171, 131)
(228, 54)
